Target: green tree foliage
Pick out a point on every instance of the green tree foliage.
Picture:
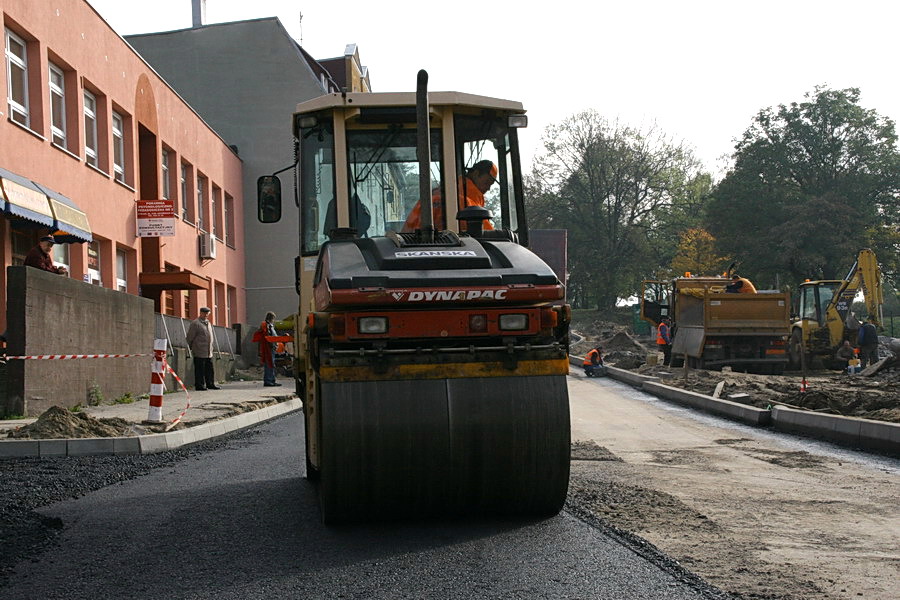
(697, 253)
(622, 193)
(812, 183)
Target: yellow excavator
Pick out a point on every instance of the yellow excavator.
(824, 318)
(433, 354)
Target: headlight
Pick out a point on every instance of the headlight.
(513, 322)
(373, 324)
(478, 323)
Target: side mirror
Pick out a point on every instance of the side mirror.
(268, 199)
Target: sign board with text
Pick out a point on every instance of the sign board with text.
(155, 218)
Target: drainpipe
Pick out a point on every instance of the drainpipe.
(198, 12)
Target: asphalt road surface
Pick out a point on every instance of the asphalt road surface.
(238, 521)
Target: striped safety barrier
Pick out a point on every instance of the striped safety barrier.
(67, 356)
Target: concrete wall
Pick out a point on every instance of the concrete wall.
(245, 79)
(50, 314)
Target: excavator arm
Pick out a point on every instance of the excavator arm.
(863, 276)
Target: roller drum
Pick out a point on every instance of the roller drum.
(494, 445)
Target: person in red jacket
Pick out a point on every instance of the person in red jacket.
(470, 189)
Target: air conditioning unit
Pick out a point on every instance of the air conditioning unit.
(207, 246)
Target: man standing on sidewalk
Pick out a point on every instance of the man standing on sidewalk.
(200, 340)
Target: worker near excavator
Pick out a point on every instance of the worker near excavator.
(845, 354)
(593, 363)
(740, 285)
(664, 340)
(868, 343)
(470, 189)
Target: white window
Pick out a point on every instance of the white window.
(165, 174)
(58, 105)
(90, 128)
(216, 226)
(60, 255)
(184, 192)
(93, 263)
(118, 130)
(17, 78)
(121, 271)
(200, 185)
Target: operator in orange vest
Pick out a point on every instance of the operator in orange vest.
(593, 363)
(740, 285)
(470, 190)
(664, 340)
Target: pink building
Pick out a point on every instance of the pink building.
(87, 131)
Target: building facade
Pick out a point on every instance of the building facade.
(88, 131)
(246, 78)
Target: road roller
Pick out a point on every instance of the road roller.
(433, 341)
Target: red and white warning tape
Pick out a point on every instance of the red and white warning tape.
(68, 356)
(186, 393)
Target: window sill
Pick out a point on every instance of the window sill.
(125, 185)
(65, 151)
(28, 129)
(92, 167)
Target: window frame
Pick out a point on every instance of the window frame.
(91, 154)
(58, 135)
(121, 270)
(14, 106)
(166, 190)
(118, 143)
(202, 182)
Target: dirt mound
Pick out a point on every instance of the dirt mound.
(621, 340)
(59, 423)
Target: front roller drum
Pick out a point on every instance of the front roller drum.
(441, 447)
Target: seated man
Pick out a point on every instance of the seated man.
(470, 189)
(740, 285)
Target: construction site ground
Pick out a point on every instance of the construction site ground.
(834, 392)
(757, 513)
(754, 512)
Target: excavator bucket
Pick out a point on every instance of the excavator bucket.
(394, 449)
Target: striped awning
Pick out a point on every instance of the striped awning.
(24, 199)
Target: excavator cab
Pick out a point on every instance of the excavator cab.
(433, 341)
(655, 301)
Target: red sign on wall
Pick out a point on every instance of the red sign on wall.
(155, 218)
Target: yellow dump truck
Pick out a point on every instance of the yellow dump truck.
(713, 328)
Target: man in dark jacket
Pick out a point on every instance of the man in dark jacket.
(868, 343)
(39, 257)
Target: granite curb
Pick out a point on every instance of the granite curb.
(147, 443)
(864, 434)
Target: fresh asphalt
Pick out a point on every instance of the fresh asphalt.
(237, 520)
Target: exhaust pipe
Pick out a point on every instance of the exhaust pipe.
(423, 152)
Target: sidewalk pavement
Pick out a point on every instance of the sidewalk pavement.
(239, 404)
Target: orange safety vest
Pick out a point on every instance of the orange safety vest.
(747, 287)
(469, 195)
(587, 359)
(660, 340)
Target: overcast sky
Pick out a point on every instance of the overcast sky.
(700, 69)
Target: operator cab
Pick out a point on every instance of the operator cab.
(376, 191)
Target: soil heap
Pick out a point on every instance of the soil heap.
(59, 423)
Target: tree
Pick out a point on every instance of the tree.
(613, 187)
(697, 253)
(812, 183)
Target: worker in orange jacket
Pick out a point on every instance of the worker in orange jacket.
(740, 285)
(664, 340)
(593, 363)
(470, 190)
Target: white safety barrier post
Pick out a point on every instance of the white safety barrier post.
(156, 381)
